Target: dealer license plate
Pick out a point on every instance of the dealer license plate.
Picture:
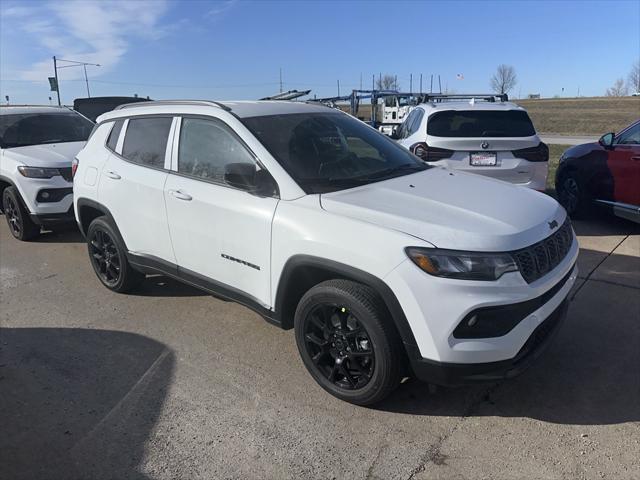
(483, 159)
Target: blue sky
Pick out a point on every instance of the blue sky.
(234, 49)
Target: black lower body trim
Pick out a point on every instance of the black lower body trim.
(454, 374)
(48, 219)
(149, 264)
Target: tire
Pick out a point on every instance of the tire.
(20, 224)
(347, 342)
(107, 254)
(572, 195)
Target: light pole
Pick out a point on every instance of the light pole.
(73, 63)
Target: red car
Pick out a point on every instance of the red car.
(605, 173)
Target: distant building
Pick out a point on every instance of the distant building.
(533, 96)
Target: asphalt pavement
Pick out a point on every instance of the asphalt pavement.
(170, 383)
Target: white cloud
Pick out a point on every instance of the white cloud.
(220, 8)
(84, 30)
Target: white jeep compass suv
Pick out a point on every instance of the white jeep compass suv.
(482, 135)
(37, 147)
(384, 266)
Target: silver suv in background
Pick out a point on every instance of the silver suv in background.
(482, 134)
(37, 148)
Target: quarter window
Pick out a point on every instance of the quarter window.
(416, 121)
(145, 140)
(206, 147)
(112, 141)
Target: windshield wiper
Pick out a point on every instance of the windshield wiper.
(387, 172)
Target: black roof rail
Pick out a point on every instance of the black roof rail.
(209, 103)
(489, 97)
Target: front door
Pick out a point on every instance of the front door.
(624, 164)
(218, 231)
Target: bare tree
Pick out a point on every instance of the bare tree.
(619, 89)
(634, 77)
(504, 79)
(387, 82)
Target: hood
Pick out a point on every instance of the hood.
(581, 150)
(53, 155)
(452, 210)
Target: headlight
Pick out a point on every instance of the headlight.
(462, 265)
(37, 172)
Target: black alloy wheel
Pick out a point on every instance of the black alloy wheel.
(569, 194)
(348, 342)
(339, 346)
(105, 257)
(20, 224)
(13, 216)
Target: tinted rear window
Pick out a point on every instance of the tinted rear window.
(146, 140)
(505, 123)
(24, 129)
(112, 142)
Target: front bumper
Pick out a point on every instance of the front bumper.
(455, 374)
(434, 308)
(47, 219)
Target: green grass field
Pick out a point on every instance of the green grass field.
(582, 116)
(555, 151)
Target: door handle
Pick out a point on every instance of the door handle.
(180, 195)
(636, 158)
(113, 175)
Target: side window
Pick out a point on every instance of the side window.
(630, 137)
(406, 125)
(112, 141)
(207, 146)
(145, 140)
(417, 120)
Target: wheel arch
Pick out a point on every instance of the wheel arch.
(6, 182)
(89, 210)
(302, 272)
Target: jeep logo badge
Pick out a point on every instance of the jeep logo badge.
(484, 145)
(553, 224)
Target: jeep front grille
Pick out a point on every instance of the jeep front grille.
(540, 258)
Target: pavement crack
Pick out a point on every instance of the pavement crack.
(372, 467)
(434, 454)
(588, 277)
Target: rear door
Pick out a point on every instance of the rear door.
(624, 164)
(132, 185)
(218, 231)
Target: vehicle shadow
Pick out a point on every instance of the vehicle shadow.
(78, 403)
(589, 375)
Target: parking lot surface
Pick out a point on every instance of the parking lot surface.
(170, 382)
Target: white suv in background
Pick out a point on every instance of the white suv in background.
(37, 147)
(384, 266)
(484, 134)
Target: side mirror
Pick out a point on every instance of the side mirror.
(240, 175)
(394, 133)
(607, 139)
(246, 177)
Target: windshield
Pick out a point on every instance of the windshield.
(24, 129)
(325, 152)
(481, 123)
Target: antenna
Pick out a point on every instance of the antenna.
(280, 79)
